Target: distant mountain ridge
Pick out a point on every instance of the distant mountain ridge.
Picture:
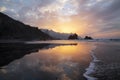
(11, 29)
(58, 35)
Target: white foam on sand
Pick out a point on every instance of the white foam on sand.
(91, 68)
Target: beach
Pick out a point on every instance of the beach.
(106, 66)
(86, 60)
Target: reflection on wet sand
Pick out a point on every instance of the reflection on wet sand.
(66, 62)
(11, 51)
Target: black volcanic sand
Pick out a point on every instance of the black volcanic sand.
(109, 55)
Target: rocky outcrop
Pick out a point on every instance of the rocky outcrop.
(88, 38)
(73, 36)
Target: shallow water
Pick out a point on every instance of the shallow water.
(56, 61)
(53, 62)
(106, 61)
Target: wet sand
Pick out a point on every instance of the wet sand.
(65, 62)
(85, 61)
(108, 66)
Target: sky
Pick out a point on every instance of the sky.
(96, 18)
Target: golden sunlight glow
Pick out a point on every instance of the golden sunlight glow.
(66, 29)
(64, 52)
(73, 26)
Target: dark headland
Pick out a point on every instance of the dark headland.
(13, 33)
(11, 29)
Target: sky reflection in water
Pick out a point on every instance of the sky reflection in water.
(65, 62)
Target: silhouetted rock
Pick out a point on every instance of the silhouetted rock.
(11, 29)
(58, 35)
(88, 37)
(73, 36)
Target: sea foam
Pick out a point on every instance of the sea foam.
(91, 69)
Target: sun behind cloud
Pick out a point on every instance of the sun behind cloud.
(85, 17)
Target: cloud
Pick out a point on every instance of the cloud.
(2, 9)
(99, 15)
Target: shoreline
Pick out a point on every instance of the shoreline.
(105, 64)
(91, 67)
(95, 67)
